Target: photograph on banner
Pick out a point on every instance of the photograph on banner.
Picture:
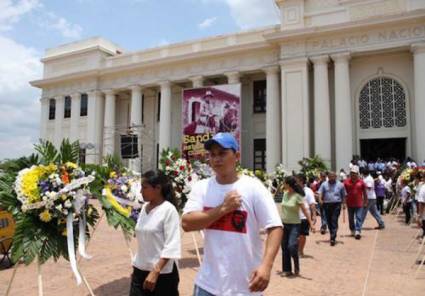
(207, 111)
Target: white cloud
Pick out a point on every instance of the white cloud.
(250, 14)
(51, 21)
(207, 22)
(19, 106)
(11, 11)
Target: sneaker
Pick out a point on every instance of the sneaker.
(333, 243)
(322, 230)
(357, 235)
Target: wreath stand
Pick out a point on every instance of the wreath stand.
(40, 280)
(40, 277)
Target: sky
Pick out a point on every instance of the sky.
(29, 27)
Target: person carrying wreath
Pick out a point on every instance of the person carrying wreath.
(157, 231)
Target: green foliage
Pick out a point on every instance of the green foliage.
(34, 238)
(312, 166)
(69, 152)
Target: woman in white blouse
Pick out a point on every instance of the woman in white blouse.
(158, 237)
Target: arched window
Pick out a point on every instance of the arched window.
(382, 104)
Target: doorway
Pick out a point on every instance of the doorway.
(372, 149)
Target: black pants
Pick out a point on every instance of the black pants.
(380, 204)
(407, 207)
(167, 284)
(332, 210)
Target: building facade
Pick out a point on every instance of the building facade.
(336, 78)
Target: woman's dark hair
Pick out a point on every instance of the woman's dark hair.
(158, 178)
(292, 182)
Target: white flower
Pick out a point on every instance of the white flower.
(124, 188)
(65, 212)
(59, 207)
(68, 204)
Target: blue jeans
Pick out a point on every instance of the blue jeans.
(371, 207)
(291, 233)
(324, 222)
(355, 218)
(201, 292)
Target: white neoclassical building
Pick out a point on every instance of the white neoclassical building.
(336, 78)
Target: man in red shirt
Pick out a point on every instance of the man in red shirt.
(356, 200)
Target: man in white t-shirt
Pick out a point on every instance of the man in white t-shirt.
(310, 205)
(421, 205)
(371, 201)
(232, 209)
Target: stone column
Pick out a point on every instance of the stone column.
(136, 124)
(44, 117)
(109, 123)
(75, 117)
(95, 115)
(322, 111)
(165, 117)
(59, 114)
(233, 77)
(197, 81)
(419, 101)
(295, 112)
(343, 112)
(273, 126)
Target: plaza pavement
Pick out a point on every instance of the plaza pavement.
(378, 264)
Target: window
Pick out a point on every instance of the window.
(260, 95)
(82, 156)
(84, 104)
(67, 111)
(158, 114)
(52, 109)
(259, 154)
(382, 104)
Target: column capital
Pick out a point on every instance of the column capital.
(75, 95)
(233, 76)
(94, 92)
(109, 92)
(135, 87)
(165, 83)
(274, 69)
(294, 62)
(196, 78)
(418, 48)
(342, 57)
(320, 60)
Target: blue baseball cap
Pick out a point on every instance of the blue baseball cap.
(225, 140)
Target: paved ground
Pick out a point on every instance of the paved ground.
(376, 265)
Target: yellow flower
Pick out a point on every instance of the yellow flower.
(45, 216)
(64, 233)
(71, 165)
(112, 174)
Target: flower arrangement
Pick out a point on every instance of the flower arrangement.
(48, 195)
(122, 192)
(276, 179)
(179, 170)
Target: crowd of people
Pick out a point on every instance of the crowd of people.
(234, 210)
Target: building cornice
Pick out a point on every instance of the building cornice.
(378, 21)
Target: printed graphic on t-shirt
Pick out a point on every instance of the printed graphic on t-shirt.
(233, 222)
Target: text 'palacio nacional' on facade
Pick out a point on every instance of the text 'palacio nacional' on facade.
(335, 78)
